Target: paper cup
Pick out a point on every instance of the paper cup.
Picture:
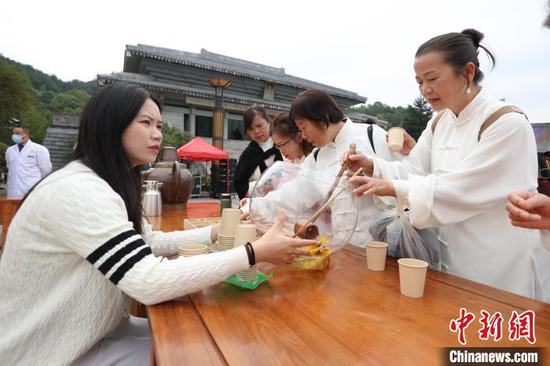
(188, 250)
(248, 275)
(376, 255)
(244, 233)
(412, 276)
(396, 136)
(231, 217)
(225, 242)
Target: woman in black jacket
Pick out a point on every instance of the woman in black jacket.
(259, 154)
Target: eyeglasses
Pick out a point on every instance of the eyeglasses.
(283, 144)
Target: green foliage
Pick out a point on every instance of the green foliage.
(37, 119)
(173, 136)
(413, 118)
(33, 96)
(3, 148)
(417, 116)
(206, 182)
(44, 82)
(394, 115)
(70, 102)
(16, 97)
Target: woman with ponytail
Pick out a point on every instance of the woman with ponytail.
(471, 155)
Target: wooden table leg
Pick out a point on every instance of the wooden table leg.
(153, 361)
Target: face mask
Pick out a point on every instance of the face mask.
(17, 139)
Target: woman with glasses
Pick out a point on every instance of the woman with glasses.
(288, 139)
(322, 123)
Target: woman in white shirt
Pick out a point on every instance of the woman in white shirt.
(77, 250)
(323, 124)
(458, 175)
(287, 138)
(258, 155)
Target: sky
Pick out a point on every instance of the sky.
(363, 46)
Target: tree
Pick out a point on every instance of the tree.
(173, 136)
(395, 116)
(37, 119)
(412, 118)
(416, 117)
(3, 148)
(16, 97)
(70, 102)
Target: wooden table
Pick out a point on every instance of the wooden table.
(346, 315)
(8, 207)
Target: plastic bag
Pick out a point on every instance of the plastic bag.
(404, 240)
(300, 192)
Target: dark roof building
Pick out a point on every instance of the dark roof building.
(180, 79)
(61, 137)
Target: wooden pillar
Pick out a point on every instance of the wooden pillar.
(217, 129)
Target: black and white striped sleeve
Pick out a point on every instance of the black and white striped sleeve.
(119, 254)
(91, 220)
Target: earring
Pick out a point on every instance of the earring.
(468, 90)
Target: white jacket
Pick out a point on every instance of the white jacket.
(26, 167)
(347, 207)
(453, 181)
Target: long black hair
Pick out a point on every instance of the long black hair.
(458, 49)
(99, 146)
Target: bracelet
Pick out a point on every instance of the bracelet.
(250, 253)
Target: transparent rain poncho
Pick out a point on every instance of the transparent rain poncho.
(301, 192)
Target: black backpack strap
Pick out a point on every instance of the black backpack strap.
(369, 131)
(315, 153)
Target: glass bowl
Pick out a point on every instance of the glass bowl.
(300, 192)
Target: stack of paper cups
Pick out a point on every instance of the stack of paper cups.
(225, 242)
(246, 233)
(226, 236)
(188, 250)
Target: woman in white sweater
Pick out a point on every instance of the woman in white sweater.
(77, 250)
(458, 175)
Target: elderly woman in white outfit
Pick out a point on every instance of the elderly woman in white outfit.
(457, 177)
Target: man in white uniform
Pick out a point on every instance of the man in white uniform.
(27, 162)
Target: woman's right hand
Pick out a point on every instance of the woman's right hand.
(275, 247)
(408, 144)
(361, 161)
